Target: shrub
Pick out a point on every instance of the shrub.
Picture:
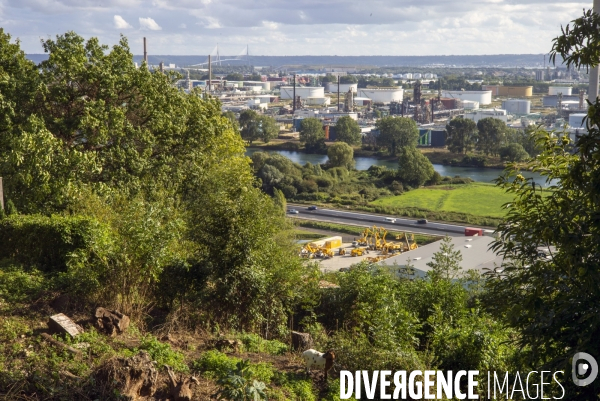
(162, 353)
(255, 343)
(214, 364)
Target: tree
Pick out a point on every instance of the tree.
(341, 154)
(255, 77)
(414, 168)
(348, 79)
(279, 200)
(491, 135)
(230, 115)
(268, 128)
(396, 133)
(234, 76)
(312, 135)
(249, 125)
(347, 130)
(445, 263)
(461, 135)
(525, 138)
(513, 152)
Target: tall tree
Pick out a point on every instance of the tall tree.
(347, 130)
(445, 263)
(312, 135)
(414, 168)
(250, 129)
(268, 128)
(340, 154)
(491, 135)
(461, 135)
(396, 133)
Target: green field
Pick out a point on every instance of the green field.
(477, 199)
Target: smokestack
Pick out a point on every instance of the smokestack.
(338, 93)
(145, 52)
(294, 101)
(209, 73)
(161, 66)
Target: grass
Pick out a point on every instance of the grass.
(478, 199)
(421, 239)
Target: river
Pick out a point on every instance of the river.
(363, 163)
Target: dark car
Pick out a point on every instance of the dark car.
(422, 221)
(311, 208)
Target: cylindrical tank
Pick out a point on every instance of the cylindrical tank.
(555, 90)
(483, 97)
(333, 87)
(576, 120)
(517, 106)
(382, 95)
(287, 92)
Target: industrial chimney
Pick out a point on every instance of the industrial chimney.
(145, 52)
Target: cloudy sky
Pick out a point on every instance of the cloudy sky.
(299, 27)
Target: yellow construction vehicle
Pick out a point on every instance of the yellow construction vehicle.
(357, 252)
(409, 242)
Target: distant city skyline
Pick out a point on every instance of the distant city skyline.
(303, 27)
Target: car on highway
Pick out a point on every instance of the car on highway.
(311, 208)
(293, 211)
(390, 219)
(422, 221)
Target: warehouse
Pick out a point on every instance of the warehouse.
(482, 97)
(485, 113)
(385, 96)
(474, 250)
(287, 92)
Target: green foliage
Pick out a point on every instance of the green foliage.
(347, 130)
(413, 168)
(445, 263)
(234, 76)
(491, 135)
(230, 115)
(396, 133)
(514, 153)
(340, 154)
(237, 386)
(255, 343)
(296, 387)
(579, 44)
(461, 135)
(161, 353)
(312, 135)
(279, 200)
(19, 286)
(214, 364)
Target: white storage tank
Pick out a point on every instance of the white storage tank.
(483, 97)
(417, 75)
(384, 96)
(318, 101)
(517, 106)
(576, 120)
(555, 90)
(470, 105)
(333, 87)
(287, 92)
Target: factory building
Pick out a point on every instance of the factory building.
(517, 91)
(517, 106)
(475, 251)
(333, 87)
(555, 90)
(482, 97)
(485, 113)
(385, 96)
(552, 100)
(287, 92)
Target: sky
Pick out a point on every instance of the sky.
(298, 27)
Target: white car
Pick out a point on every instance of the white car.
(293, 211)
(390, 219)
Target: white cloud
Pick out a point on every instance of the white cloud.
(183, 26)
(149, 23)
(120, 23)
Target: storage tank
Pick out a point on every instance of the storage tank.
(555, 90)
(333, 87)
(287, 92)
(483, 97)
(384, 96)
(576, 120)
(517, 106)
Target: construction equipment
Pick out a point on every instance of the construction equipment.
(409, 242)
(342, 252)
(358, 252)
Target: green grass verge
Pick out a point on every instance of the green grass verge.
(307, 235)
(478, 199)
(421, 239)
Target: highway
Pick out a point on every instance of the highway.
(365, 219)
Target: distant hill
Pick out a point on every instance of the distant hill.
(494, 60)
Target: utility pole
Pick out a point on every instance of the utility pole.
(594, 72)
(209, 74)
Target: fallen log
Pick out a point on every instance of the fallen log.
(57, 343)
(180, 389)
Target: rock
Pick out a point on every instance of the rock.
(61, 323)
(111, 322)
